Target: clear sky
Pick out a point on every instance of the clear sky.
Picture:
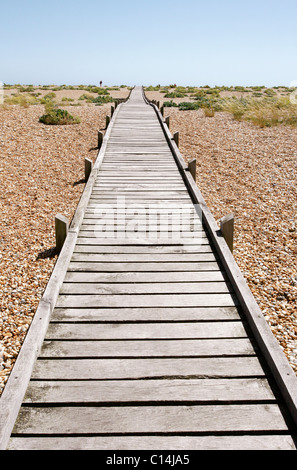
(135, 42)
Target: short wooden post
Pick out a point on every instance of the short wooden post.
(158, 104)
(176, 138)
(112, 110)
(227, 229)
(107, 121)
(192, 168)
(162, 110)
(88, 168)
(167, 121)
(115, 104)
(100, 139)
(61, 229)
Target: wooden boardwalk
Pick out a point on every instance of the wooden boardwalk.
(147, 343)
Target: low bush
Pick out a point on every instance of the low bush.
(99, 100)
(59, 117)
(170, 104)
(86, 97)
(174, 95)
(187, 106)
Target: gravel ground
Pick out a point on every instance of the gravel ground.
(241, 169)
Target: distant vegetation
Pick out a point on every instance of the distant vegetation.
(257, 104)
(28, 95)
(264, 107)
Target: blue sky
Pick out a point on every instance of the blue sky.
(149, 42)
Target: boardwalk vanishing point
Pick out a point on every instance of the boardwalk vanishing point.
(147, 336)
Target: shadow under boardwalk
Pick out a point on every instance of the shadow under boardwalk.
(147, 346)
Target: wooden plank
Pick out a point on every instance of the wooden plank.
(154, 331)
(145, 314)
(121, 249)
(153, 348)
(119, 222)
(88, 238)
(174, 277)
(143, 237)
(150, 300)
(103, 369)
(142, 267)
(220, 442)
(124, 391)
(144, 288)
(150, 419)
(143, 257)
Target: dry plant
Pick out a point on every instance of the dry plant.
(264, 112)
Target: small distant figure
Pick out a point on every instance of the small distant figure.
(100, 83)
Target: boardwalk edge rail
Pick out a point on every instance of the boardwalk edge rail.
(270, 348)
(18, 380)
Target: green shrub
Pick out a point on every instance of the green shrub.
(174, 95)
(26, 89)
(67, 99)
(187, 106)
(99, 100)
(153, 88)
(170, 104)
(87, 97)
(48, 97)
(59, 117)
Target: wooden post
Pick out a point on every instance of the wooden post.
(227, 229)
(107, 121)
(88, 168)
(61, 229)
(112, 110)
(162, 110)
(176, 138)
(192, 168)
(158, 104)
(100, 139)
(167, 121)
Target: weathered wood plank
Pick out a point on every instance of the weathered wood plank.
(178, 390)
(144, 288)
(151, 419)
(229, 442)
(89, 238)
(145, 314)
(150, 300)
(144, 348)
(143, 257)
(100, 369)
(154, 331)
(206, 248)
(142, 226)
(207, 276)
(142, 267)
